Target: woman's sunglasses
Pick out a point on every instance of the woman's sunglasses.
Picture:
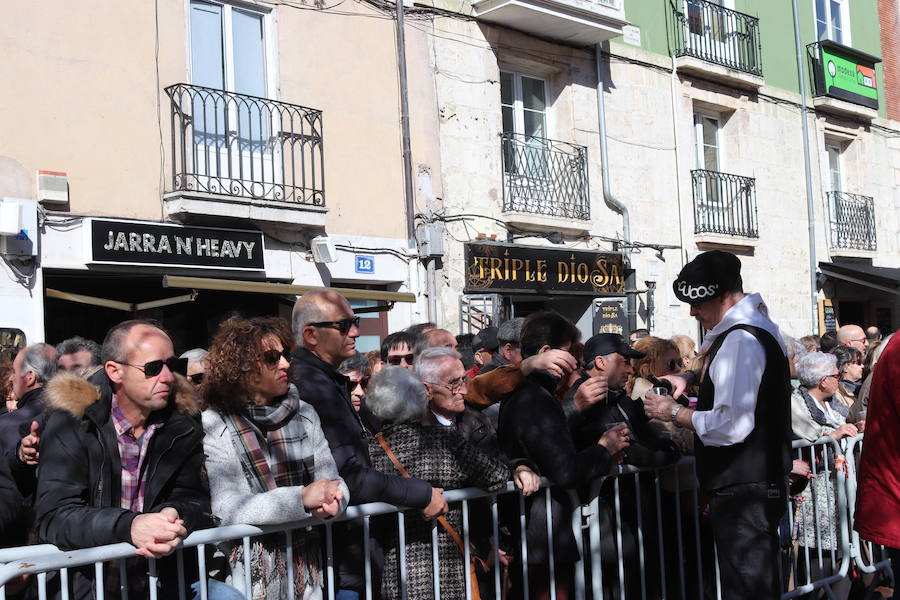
(352, 383)
(271, 358)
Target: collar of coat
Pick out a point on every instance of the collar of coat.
(76, 395)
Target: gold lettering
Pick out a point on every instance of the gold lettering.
(583, 273)
(542, 271)
(517, 264)
(479, 262)
(562, 272)
(496, 273)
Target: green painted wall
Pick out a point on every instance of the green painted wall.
(776, 28)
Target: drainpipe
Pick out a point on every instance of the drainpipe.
(611, 201)
(810, 205)
(404, 126)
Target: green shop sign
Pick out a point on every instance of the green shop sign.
(845, 73)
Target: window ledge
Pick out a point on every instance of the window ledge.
(532, 222)
(718, 241)
(195, 207)
(853, 253)
(733, 77)
(844, 108)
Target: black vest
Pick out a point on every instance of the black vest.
(764, 456)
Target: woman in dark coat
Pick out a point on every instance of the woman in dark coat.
(439, 455)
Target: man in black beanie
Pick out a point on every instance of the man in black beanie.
(741, 424)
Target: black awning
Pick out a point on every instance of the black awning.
(885, 279)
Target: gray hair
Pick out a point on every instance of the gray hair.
(813, 366)
(38, 360)
(795, 348)
(194, 354)
(78, 344)
(359, 363)
(396, 395)
(430, 364)
(510, 332)
(309, 308)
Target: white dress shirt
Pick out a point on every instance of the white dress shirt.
(736, 373)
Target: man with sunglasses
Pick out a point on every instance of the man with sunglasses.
(325, 330)
(122, 458)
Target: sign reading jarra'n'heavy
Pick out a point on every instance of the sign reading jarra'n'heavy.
(163, 244)
(515, 269)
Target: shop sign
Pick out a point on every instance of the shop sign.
(847, 74)
(610, 316)
(161, 244)
(513, 268)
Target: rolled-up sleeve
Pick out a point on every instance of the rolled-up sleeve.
(736, 373)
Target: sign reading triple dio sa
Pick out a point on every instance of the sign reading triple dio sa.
(164, 244)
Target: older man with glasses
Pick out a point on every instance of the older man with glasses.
(325, 330)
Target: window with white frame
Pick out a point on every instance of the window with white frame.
(523, 104)
(834, 167)
(833, 20)
(706, 137)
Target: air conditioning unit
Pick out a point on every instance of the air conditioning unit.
(52, 187)
(323, 249)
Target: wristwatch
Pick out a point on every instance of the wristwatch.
(675, 410)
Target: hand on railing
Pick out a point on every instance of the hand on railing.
(526, 480)
(437, 506)
(156, 535)
(322, 498)
(616, 440)
(844, 431)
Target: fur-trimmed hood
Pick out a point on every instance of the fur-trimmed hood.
(74, 394)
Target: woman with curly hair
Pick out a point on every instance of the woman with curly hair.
(661, 357)
(266, 456)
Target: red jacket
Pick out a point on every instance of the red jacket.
(878, 495)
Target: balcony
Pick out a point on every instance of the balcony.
(852, 224)
(236, 156)
(843, 80)
(545, 183)
(717, 43)
(581, 22)
(724, 207)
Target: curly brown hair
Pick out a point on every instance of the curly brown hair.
(235, 355)
(653, 363)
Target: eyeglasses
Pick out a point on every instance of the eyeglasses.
(343, 325)
(271, 358)
(155, 367)
(834, 375)
(352, 383)
(196, 378)
(454, 385)
(396, 359)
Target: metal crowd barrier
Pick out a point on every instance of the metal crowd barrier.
(863, 552)
(641, 534)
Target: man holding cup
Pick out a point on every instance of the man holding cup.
(741, 424)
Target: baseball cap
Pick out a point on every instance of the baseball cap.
(608, 343)
(708, 276)
(486, 339)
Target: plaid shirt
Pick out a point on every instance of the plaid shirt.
(132, 452)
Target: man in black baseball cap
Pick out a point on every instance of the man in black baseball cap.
(741, 425)
(484, 345)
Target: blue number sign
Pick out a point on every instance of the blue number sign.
(365, 263)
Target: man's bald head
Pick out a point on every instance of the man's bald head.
(314, 307)
(854, 337)
(334, 338)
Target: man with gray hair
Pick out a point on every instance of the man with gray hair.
(77, 354)
(33, 368)
(508, 351)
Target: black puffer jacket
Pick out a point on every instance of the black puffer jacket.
(79, 478)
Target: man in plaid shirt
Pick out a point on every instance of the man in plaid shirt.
(122, 455)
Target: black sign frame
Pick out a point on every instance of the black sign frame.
(150, 244)
(516, 269)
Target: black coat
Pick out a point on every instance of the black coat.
(79, 477)
(348, 436)
(533, 427)
(10, 502)
(13, 427)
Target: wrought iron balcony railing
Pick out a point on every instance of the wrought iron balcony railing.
(545, 177)
(245, 146)
(852, 221)
(718, 35)
(724, 204)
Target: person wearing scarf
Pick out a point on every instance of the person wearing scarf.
(815, 413)
(267, 459)
(850, 366)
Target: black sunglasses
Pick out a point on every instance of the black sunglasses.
(155, 367)
(196, 378)
(363, 383)
(272, 357)
(397, 358)
(343, 325)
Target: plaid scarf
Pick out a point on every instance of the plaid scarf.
(268, 439)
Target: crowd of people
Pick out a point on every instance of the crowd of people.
(277, 422)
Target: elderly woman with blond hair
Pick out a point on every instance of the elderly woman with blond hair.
(266, 456)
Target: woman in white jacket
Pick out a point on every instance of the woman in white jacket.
(266, 456)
